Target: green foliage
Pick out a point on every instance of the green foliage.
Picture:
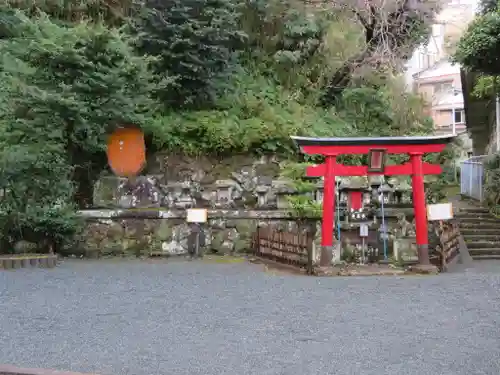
(84, 81)
(492, 180)
(195, 42)
(437, 190)
(479, 48)
(486, 86)
(35, 200)
(377, 112)
(303, 206)
(255, 115)
(73, 11)
(287, 41)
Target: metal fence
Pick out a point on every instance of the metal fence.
(472, 178)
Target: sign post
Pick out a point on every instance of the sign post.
(363, 233)
(196, 217)
(439, 212)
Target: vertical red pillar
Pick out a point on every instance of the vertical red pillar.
(328, 212)
(420, 208)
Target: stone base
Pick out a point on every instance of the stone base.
(27, 261)
(424, 269)
(423, 253)
(359, 270)
(326, 256)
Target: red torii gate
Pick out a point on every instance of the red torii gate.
(376, 148)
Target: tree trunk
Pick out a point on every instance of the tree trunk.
(84, 188)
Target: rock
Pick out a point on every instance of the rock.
(144, 191)
(173, 248)
(217, 242)
(241, 246)
(163, 232)
(22, 247)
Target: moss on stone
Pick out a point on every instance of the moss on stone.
(268, 169)
(217, 242)
(246, 228)
(164, 231)
(242, 246)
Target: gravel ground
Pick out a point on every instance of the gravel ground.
(137, 318)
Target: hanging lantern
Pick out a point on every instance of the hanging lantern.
(376, 161)
(126, 152)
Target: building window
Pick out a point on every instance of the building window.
(426, 59)
(459, 117)
(443, 87)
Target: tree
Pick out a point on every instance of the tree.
(71, 86)
(487, 6)
(73, 11)
(195, 42)
(479, 48)
(390, 30)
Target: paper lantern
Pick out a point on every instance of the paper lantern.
(126, 152)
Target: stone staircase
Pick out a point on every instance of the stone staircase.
(481, 232)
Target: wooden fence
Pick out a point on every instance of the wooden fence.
(450, 243)
(283, 246)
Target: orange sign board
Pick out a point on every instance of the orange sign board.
(126, 152)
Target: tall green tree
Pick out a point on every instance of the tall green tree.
(195, 41)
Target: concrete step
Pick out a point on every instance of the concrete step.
(480, 225)
(473, 210)
(478, 219)
(485, 251)
(481, 237)
(485, 257)
(478, 231)
(482, 244)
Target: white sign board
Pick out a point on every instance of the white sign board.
(441, 211)
(196, 215)
(363, 230)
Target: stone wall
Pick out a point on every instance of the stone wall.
(165, 232)
(142, 232)
(241, 193)
(179, 182)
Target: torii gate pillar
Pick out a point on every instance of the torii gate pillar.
(376, 148)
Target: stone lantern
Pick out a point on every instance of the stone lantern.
(385, 193)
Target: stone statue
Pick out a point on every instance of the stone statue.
(404, 227)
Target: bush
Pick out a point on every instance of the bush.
(255, 115)
(492, 180)
(35, 202)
